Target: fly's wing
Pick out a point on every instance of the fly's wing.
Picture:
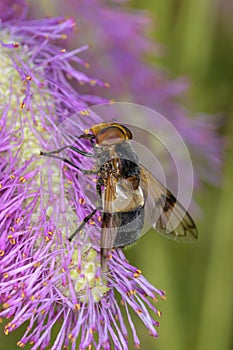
(111, 220)
(163, 212)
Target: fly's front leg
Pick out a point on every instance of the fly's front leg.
(67, 161)
(75, 149)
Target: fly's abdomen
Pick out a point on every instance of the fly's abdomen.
(130, 228)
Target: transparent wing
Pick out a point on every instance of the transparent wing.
(163, 212)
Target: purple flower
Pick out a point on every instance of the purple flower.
(43, 278)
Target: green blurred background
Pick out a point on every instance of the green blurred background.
(197, 315)
(198, 280)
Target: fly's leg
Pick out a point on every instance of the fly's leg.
(75, 149)
(85, 220)
(67, 161)
(83, 223)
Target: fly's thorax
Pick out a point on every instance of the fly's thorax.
(119, 177)
(120, 159)
(123, 150)
(126, 151)
(104, 154)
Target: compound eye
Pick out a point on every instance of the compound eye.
(110, 136)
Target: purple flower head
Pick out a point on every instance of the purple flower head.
(44, 279)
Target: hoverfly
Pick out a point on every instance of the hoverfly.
(123, 187)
